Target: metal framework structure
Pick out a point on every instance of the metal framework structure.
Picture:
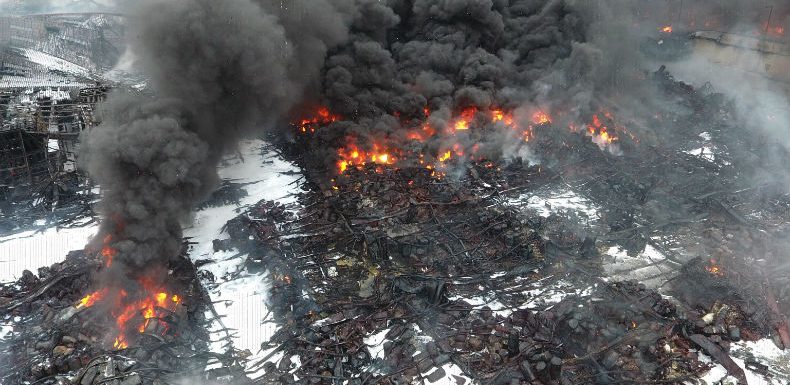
(38, 146)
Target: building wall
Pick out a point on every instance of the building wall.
(754, 56)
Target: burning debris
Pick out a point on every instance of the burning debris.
(69, 334)
(156, 157)
(416, 148)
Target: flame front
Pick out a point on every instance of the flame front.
(603, 133)
(155, 305)
(353, 156)
(91, 299)
(389, 150)
(108, 252)
(323, 117)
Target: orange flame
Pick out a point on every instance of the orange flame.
(322, 117)
(714, 268)
(666, 29)
(108, 252)
(155, 305)
(91, 299)
(386, 152)
(466, 118)
(353, 156)
(600, 131)
(541, 117)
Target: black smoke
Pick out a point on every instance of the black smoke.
(221, 68)
(571, 58)
(406, 56)
(216, 70)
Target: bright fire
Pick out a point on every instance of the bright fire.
(666, 29)
(466, 119)
(714, 268)
(321, 118)
(107, 251)
(600, 130)
(91, 299)
(540, 117)
(134, 314)
(353, 156)
(387, 151)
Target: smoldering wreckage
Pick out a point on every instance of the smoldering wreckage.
(425, 131)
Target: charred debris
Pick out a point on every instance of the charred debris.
(392, 274)
(38, 145)
(453, 272)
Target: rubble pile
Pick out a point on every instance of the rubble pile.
(58, 338)
(377, 279)
(398, 273)
(394, 274)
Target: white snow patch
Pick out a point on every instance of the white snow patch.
(240, 295)
(29, 250)
(54, 63)
(375, 344)
(708, 152)
(40, 80)
(705, 152)
(765, 352)
(452, 373)
(557, 202)
(5, 330)
(542, 297)
(548, 296)
(649, 267)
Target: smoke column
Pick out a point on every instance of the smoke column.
(569, 57)
(220, 68)
(217, 70)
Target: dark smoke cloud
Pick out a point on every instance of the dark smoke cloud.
(218, 69)
(570, 57)
(452, 54)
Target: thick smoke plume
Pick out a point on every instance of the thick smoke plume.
(568, 57)
(406, 57)
(218, 69)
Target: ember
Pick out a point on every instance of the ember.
(714, 268)
(321, 118)
(108, 252)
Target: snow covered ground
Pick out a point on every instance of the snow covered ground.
(39, 81)
(765, 352)
(557, 201)
(29, 250)
(650, 267)
(54, 63)
(241, 301)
